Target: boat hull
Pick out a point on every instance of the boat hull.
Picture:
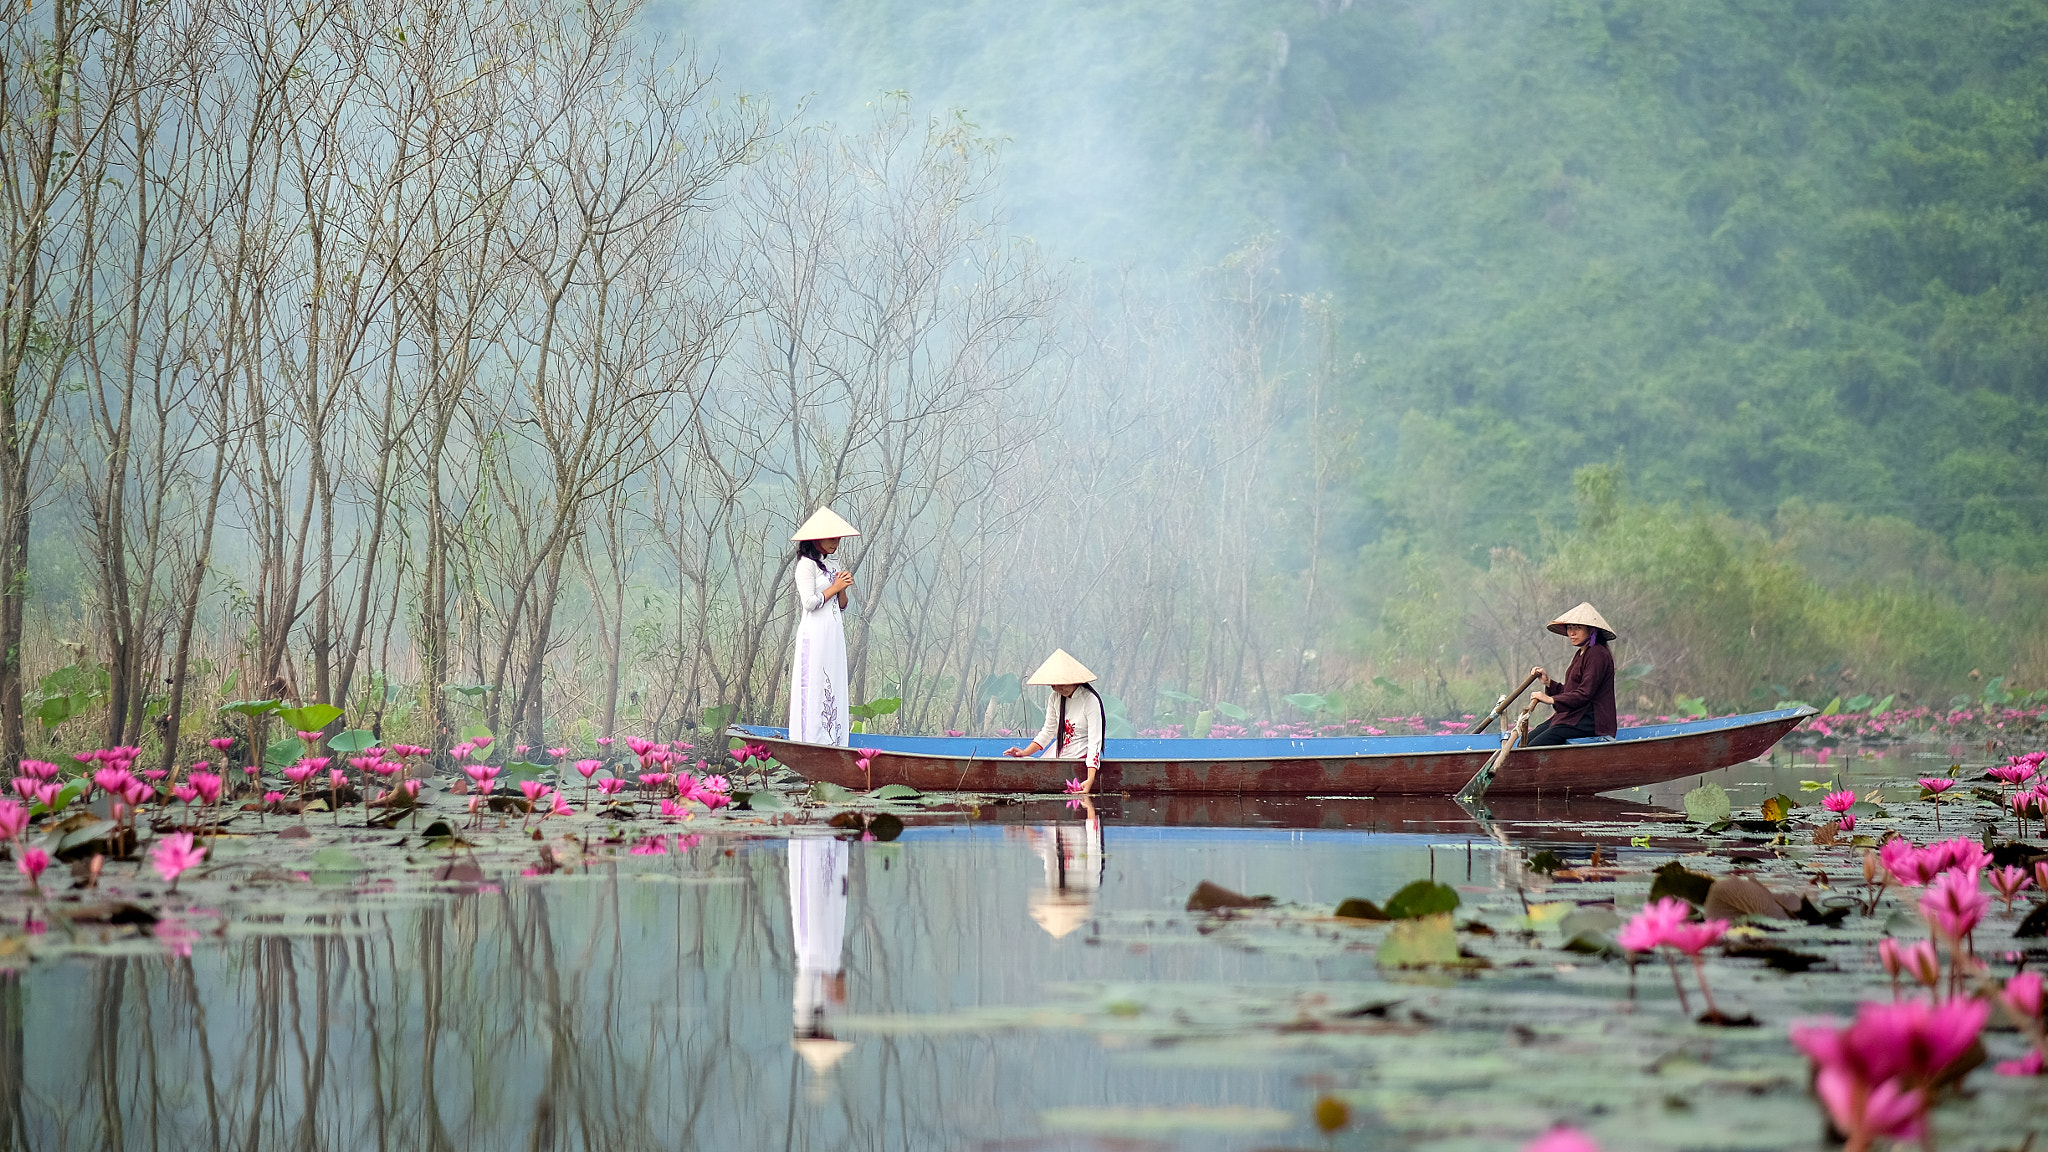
(1358, 766)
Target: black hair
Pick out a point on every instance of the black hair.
(809, 550)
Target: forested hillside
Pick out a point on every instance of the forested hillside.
(1752, 252)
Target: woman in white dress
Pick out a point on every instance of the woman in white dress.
(817, 675)
(1075, 718)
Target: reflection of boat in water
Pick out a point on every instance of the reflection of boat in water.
(1560, 820)
(1340, 766)
(817, 917)
(1073, 872)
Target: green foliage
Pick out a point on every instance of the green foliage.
(1782, 260)
(1422, 898)
(1426, 942)
(1001, 688)
(311, 717)
(351, 742)
(1708, 804)
(67, 692)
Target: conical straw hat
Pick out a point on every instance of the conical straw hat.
(1060, 668)
(1060, 915)
(1584, 614)
(825, 524)
(821, 1053)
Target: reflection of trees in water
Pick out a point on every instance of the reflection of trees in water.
(605, 1014)
(612, 1013)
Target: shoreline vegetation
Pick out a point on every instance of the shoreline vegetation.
(286, 422)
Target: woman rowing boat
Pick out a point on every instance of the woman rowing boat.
(1583, 704)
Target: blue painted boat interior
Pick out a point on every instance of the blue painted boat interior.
(1253, 749)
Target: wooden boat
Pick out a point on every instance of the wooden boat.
(1339, 766)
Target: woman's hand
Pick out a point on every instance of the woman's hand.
(841, 581)
(1539, 673)
(1542, 698)
(1033, 750)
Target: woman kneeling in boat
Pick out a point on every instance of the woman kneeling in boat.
(1074, 716)
(1583, 705)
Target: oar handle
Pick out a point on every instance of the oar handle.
(1503, 703)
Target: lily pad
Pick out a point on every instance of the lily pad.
(1357, 909)
(1675, 879)
(310, 718)
(1209, 897)
(1741, 898)
(1422, 898)
(895, 792)
(1427, 942)
(1130, 1122)
(352, 741)
(826, 792)
(1708, 804)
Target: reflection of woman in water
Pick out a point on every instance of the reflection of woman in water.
(1073, 871)
(817, 916)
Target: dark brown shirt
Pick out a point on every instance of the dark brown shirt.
(1587, 691)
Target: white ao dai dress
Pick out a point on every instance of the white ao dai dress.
(817, 675)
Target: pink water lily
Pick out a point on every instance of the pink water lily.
(31, 863)
(40, 769)
(588, 768)
(25, 787)
(1918, 960)
(13, 819)
(1871, 1074)
(2008, 881)
(2023, 997)
(221, 744)
(208, 785)
(175, 855)
(1838, 801)
(1562, 1139)
(1077, 785)
(1953, 905)
(2032, 1064)
(1647, 929)
(184, 792)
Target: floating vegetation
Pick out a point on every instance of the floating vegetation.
(1659, 980)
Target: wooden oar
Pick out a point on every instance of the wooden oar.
(1509, 737)
(1502, 704)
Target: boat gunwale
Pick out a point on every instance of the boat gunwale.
(1775, 716)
